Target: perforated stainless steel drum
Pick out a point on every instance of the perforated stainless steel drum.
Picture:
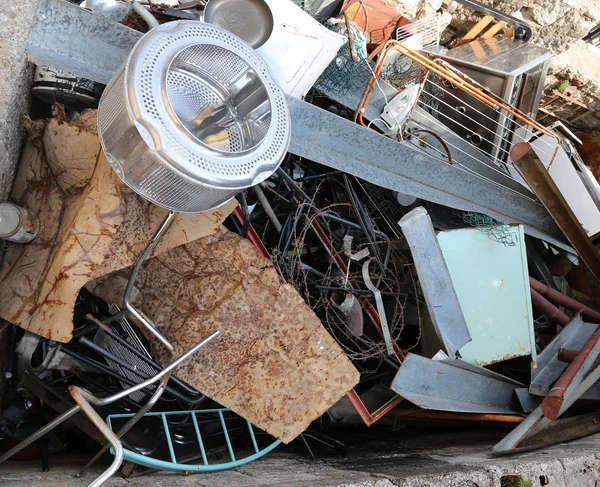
(192, 117)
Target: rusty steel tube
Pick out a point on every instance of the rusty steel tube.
(567, 355)
(553, 402)
(566, 301)
(446, 415)
(547, 308)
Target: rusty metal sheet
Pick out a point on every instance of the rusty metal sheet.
(536, 175)
(589, 151)
(274, 364)
(90, 224)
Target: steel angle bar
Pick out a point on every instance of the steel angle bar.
(436, 283)
(440, 385)
(73, 39)
(67, 37)
(549, 368)
(528, 401)
(324, 137)
(579, 371)
(537, 431)
(537, 176)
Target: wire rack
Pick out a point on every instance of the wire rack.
(181, 451)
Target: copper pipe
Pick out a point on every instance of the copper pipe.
(444, 70)
(547, 308)
(567, 355)
(553, 402)
(368, 417)
(444, 415)
(566, 301)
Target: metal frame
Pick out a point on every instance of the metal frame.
(85, 400)
(173, 465)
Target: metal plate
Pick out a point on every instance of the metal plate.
(492, 285)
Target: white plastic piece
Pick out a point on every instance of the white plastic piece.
(299, 48)
(398, 109)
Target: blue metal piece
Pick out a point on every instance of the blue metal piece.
(173, 466)
(488, 268)
(200, 442)
(169, 440)
(252, 436)
(226, 433)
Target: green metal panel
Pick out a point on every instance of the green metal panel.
(492, 284)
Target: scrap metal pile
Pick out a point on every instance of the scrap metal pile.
(280, 219)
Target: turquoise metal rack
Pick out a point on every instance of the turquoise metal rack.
(174, 465)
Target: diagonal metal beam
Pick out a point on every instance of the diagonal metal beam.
(67, 37)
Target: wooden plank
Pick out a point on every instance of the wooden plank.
(494, 29)
(477, 29)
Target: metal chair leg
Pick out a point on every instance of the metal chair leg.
(127, 426)
(41, 432)
(91, 413)
(85, 399)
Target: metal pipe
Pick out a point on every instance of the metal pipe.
(566, 301)
(167, 370)
(41, 432)
(444, 415)
(567, 355)
(146, 358)
(267, 207)
(132, 278)
(91, 413)
(132, 421)
(553, 402)
(547, 308)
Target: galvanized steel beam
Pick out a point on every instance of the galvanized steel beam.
(441, 299)
(91, 46)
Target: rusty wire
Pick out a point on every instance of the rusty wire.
(305, 251)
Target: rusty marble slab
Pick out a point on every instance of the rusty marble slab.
(274, 363)
(90, 224)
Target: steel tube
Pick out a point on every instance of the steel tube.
(94, 417)
(547, 308)
(552, 403)
(132, 421)
(41, 432)
(132, 278)
(566, 301)
(167, 370)
(445, 415)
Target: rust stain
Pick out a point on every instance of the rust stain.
(274, 364)
(90, 225)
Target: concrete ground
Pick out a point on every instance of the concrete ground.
(16, 18)
(405, 458)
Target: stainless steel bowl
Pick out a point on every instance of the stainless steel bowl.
(250, 20)
(193, 117)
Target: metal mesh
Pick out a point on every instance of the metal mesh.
(495, 230)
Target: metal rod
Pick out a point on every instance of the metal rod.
(567, 355)
(107, 329)
(167, 370)
(41, 432)
(90, 412)
(129, 424)
(552, 403)
(566, 301)
(548, 309)
(444, 415)
(267, 207)
(134, 273)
